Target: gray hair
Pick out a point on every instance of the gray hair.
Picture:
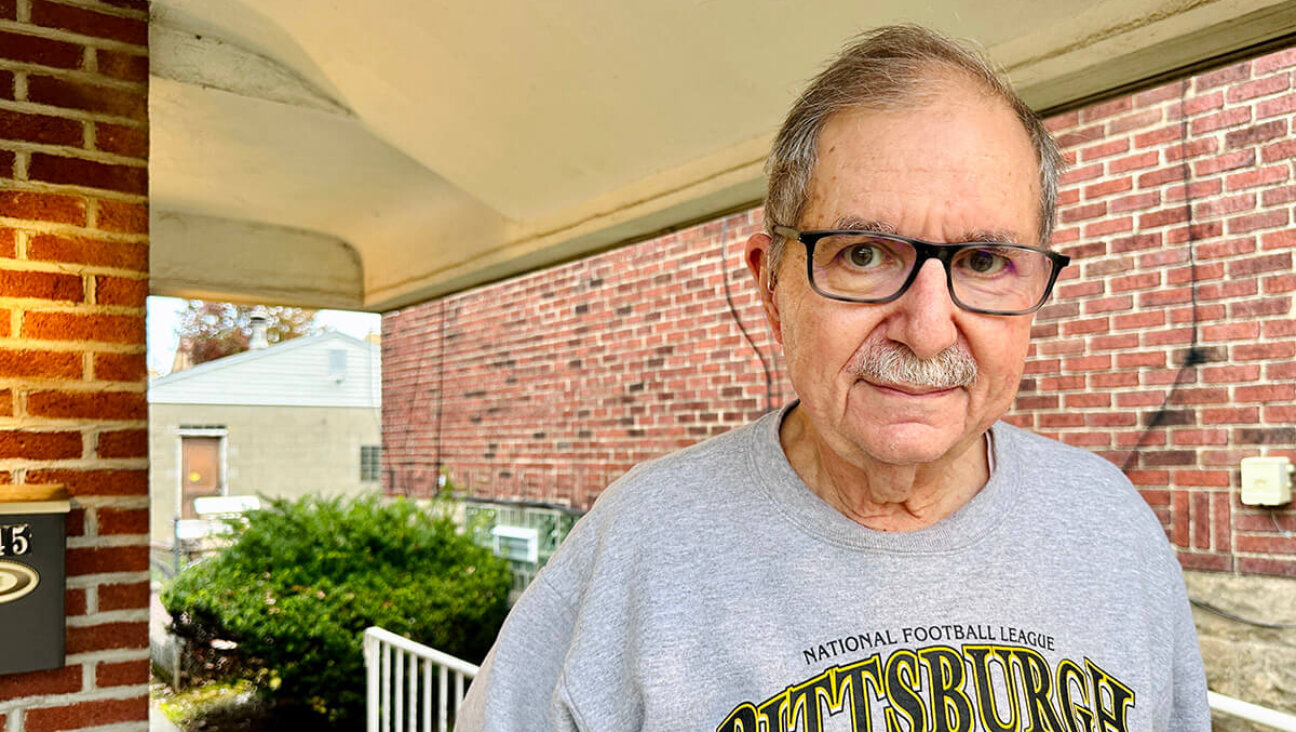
(883, 69)
(888, 362)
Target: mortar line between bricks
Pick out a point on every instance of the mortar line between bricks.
(26, 69)
(80, 464)
(116, 349)
(83, 386)
(123, 502)
(50, 307)
(121, 463)
(85, 581)
(47, 189)
(105, 8)
(71, 151)
(140, 726)
(94, 616)
(76, 153)
(58, 34)
(60, 700)
(41, 303)
(116, 541)
(80, 115)
(71, 230)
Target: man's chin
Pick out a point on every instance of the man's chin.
(906, 443)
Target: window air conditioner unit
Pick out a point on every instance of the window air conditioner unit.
(517, 544)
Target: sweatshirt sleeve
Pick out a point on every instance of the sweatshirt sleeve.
(515, 687)
(1191, 707)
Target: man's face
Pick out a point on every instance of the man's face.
(956, 167)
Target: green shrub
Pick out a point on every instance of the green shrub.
(305, 578)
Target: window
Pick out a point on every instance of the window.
(370, 456)
(337, 364)
(525, 535)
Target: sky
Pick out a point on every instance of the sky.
(164, 316)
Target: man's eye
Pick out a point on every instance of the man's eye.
(983, 261)
(863, 255)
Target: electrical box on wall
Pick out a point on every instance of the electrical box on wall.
(1266, 481)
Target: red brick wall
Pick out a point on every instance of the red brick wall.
(73, 278)
(1177, 211)
(549, 386)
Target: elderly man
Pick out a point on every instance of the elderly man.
(882, 554)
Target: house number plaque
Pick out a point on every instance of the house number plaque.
(16, 580)
(33, 542)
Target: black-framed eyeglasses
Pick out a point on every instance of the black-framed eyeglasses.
(983, 277)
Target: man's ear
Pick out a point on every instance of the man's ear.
(758, 263)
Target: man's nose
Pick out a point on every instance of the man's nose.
(924, 316)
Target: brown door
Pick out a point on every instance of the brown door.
(201, 466)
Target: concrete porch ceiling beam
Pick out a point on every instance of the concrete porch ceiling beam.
(454, 144)
(210, 258)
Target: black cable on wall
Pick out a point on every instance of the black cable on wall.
(733, 312)
(1195, 355)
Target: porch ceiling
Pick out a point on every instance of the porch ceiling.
(372, 155)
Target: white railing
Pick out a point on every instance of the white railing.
(1252, 712)
(399, 683)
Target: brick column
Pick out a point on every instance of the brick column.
(73, 279)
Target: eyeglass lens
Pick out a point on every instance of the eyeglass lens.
(988, 277)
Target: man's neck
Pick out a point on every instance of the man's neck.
(883, 496)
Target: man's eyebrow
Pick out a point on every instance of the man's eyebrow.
(856, 223)
(997, 236)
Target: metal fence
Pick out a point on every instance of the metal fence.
(402, 694)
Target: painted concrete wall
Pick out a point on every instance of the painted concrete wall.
(276, 451)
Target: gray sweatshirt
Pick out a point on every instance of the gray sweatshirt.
(712, 590)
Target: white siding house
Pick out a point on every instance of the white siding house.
(300, 417)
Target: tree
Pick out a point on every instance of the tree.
(212, 330)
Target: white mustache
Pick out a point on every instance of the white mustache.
(888, 362)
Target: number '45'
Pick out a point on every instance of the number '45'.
(14, 540)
